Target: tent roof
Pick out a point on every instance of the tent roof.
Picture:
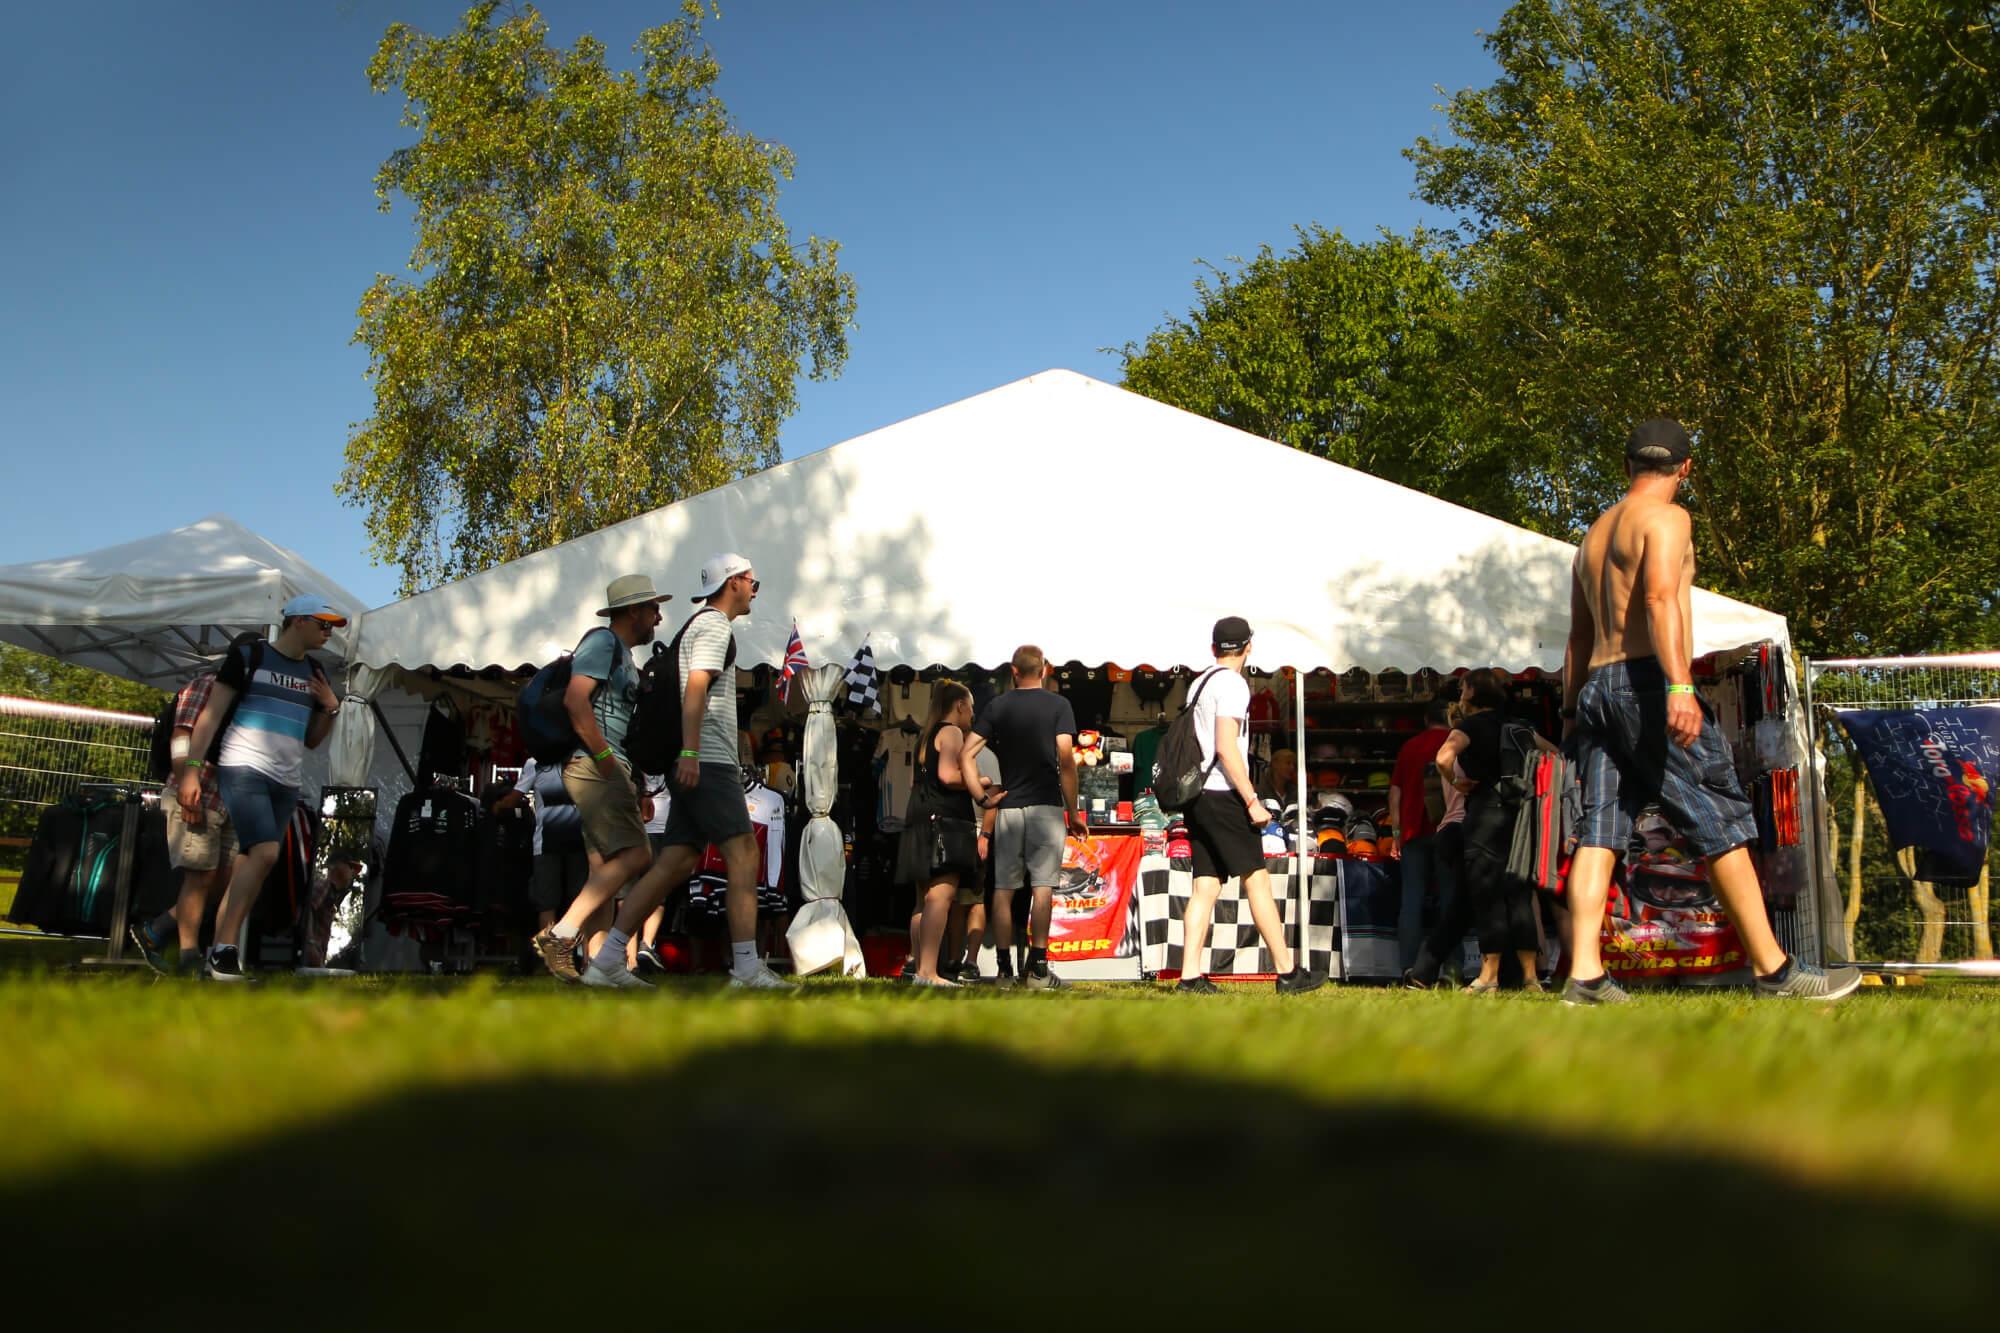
(1065, 512)
(156, 609)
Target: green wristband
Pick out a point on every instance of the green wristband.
(1680, 689)
(690, 754)
(605, 753)
(194, 763)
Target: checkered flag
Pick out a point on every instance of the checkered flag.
(795, 662)
(864, 682)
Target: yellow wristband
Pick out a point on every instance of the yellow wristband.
(1680, 689)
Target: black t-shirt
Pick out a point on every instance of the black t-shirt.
(1481, 760)
(1022, 726)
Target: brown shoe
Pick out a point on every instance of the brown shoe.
(557, 955)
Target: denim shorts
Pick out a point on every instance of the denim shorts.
(258, 806)
(1629, 762)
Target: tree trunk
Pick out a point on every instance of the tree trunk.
(1930, 941)
(1981, 896)
(1854, 841)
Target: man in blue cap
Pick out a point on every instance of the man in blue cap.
(269, 705)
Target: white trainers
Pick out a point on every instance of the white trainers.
(761, 979)
(617, 977)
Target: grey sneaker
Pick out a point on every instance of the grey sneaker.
(1803, 981)
(1606, 991)
(616, 977)
(557, 955)
(765, 979)
(1044, 981)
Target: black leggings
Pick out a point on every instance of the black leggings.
(1503, 905)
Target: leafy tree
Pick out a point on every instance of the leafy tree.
(26, 675)
(1727, 210)
(1344, 350)
(608, 313)
(1949, 50)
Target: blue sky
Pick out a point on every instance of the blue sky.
(189, 217)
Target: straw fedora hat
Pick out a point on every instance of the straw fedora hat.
(630, 590)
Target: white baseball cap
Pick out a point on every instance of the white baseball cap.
(718, 570)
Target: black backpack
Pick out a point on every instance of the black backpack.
(1178, 772)
(541, 714)
(653, 742)
(160, 759)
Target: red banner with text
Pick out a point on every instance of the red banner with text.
(1093, 904)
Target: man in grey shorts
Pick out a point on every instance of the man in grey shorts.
(1033, 733)
(706, 786)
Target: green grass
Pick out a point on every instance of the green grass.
(886, 1147)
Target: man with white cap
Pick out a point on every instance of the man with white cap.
(603, 690)
(707, 782)
(270, 704)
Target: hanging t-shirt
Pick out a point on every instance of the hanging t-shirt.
(604, 657)
(896, 754)
(652, 784)
(1225, 694)
(1145, 752)
(767, 821)
(268, 732)
(705, 647)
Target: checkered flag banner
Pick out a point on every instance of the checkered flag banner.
(864, 682)
(795, 662)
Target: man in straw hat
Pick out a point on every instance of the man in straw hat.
(603, 689)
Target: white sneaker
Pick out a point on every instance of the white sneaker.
(763, 978)
(617, 977)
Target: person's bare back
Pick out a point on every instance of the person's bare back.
(1638, 545)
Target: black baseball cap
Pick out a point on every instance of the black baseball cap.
(1231, 632)
(1660, 440)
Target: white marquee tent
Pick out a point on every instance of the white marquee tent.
(1061, 511)
(158, 609)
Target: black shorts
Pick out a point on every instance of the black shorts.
(1225, 843)
(711, 811)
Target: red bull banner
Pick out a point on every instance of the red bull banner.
(1097, 899)
(1932, 770)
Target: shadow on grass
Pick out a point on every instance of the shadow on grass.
(770, 1183)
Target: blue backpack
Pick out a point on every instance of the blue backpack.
(541, 714)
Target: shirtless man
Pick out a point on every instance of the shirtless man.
(1644, 735)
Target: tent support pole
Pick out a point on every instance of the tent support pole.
(394, 744)
(1302, 884)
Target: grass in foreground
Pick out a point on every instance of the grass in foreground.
(1113, 1151)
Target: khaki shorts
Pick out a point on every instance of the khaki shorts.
(198, 849)
(970, 895)
(609, 807)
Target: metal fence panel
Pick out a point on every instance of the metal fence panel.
(49, 750)
(1881, 913)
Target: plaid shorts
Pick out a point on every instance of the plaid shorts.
(1629, 762)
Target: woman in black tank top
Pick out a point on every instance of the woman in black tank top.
(1476, 756)
(940, 846)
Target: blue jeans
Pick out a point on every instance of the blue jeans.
(1426, 869)
(258, 807)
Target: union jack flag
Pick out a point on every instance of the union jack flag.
(795, 662)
